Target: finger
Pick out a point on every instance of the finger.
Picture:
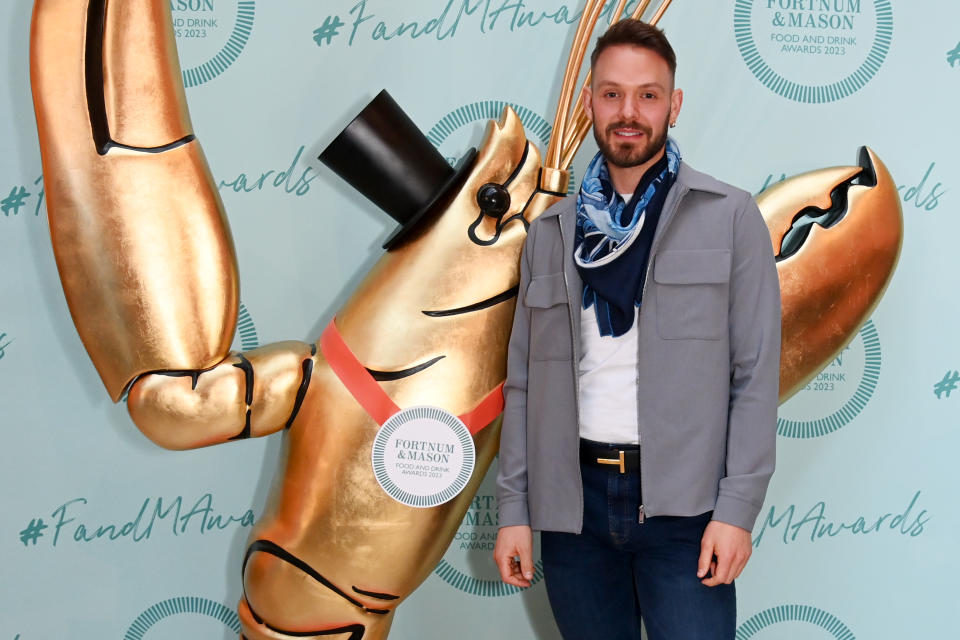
(714, 574)
(706, 557)
(526, 562)
(505, 565)
(515, 577)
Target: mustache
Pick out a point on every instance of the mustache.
(630, 125)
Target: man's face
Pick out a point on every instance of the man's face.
(631, 102)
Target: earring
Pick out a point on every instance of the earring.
(673, 125)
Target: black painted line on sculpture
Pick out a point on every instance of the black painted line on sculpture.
(247, 368)
(243, 435)
(476, 306)
(516, 171)
(796, 236)
(387, 376)
(839, 204)
(355, 630)
(374, 594)
(307, 368)
(272, 548)
(94, 80)
(194, 376)
(93, 74)
(112, 144)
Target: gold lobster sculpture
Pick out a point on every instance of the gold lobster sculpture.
(148, 268)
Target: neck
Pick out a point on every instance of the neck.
(626, 179)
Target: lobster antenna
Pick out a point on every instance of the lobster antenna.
(578, 113)
(588, 21)
(575, 129)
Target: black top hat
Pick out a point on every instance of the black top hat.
(384, 156)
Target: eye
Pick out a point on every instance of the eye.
(494, 199)
(610, 94)
(649, 96)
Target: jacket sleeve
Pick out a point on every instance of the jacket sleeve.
(512, 472)
(754, 371)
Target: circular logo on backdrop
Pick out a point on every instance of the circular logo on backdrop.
(246, 330)
(813, 51)
(179, 606)
(794, 613)
(838, 393)
(423, 456)
(533, 123)
(211, 35)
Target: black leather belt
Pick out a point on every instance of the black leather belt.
(621, 458)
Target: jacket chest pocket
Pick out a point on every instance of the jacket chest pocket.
(550, 330)
(693, 290)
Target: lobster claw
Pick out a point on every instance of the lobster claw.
(138, 228)
(837, 234)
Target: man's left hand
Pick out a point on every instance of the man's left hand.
(724, 551)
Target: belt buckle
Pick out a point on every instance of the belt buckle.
(617, 461)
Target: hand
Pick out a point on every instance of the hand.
(724, 551)
(513, 543)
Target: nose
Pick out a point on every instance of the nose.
(629, 107)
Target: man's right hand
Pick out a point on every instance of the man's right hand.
(515, 543)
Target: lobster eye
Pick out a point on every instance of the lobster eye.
(494, 199)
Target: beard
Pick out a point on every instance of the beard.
(629, 154)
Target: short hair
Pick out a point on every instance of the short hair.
(636, 33)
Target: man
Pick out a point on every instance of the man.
(640, 419)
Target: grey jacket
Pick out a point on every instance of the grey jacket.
(707, 376)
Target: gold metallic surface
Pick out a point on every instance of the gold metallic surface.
(141, 241)
(554, 180)
(198, 409)
(581, 40)
(832, 284)
(144, 97)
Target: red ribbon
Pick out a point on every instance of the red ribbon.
(368, 393)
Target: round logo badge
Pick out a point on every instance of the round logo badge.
(813, 51)
(794, 613)
(210, 35)
(838, 393)
(178, 606)
(423, 456)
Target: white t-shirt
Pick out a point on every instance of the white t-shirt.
(608, 381)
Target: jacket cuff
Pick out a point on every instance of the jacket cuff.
(737, 512)
(513, 513)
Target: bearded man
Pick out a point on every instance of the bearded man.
(640, 420)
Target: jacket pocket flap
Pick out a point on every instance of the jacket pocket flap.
(546, 291)
(692, 267)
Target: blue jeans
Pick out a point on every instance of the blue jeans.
(602, 581)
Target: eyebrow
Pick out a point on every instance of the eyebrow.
(647, 85)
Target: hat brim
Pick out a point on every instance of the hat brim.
(463, 165)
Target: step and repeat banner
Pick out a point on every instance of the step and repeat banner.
(104, 535)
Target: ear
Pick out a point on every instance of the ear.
(587, 99)
(676, 101)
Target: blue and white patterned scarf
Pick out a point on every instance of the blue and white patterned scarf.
(612, 243)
